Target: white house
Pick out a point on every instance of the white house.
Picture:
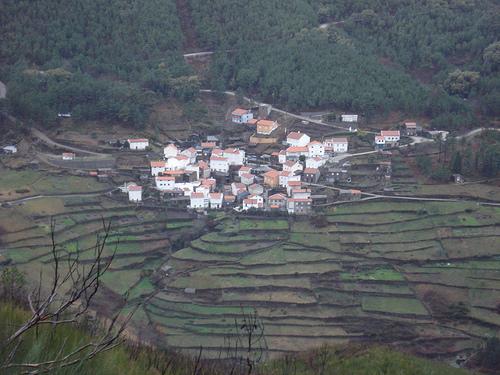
(135, 193)
(241, 116)
(282, 157)
(299, 206)
(170, 151)
(203, 189)
(238, 188)
(315, 162)
(295, 152)
(247, 178)
(292, 185)
(157, 167)
(301, 193)
(12, 149)
(266, 127)
(244, 169)
(379, 141)
(234, 156)
(198, 200)
(177, 162)
(215, 200)
(191, 154)
(68, 156)
(349, 118)
(186, 187)
(316, 148)
(338, 145)
(165, 182)
(390, 136)
(298, 139)
(253, 201)
(138, 143)
(219, 164)
(292, 166)
(286, 177)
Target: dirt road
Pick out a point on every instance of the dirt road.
(45, 139)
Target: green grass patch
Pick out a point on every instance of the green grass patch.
(255, 224)
(379, 274)
(394, 305)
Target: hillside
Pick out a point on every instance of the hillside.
(436, 60)
(141, 360)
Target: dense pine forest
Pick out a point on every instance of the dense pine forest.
(110, 60)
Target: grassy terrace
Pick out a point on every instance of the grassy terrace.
(374, 268)
(372, 262)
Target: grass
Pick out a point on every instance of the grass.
(380, 274)
(393, 305)
(268, 224)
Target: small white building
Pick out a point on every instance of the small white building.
(316, 149)
(337, 145)
(349, 118)
(198, 200)
(241, 116)
(193, 168)
(177, 163)
(215, 200)
(191, 154)
(315, 162)
(253, 201)
(234, 156)
(203, 189)
(244, 169)
(390, 136)
(170, 151)
(138, 143)
(157, 168)
(292, 166)
(282, 157)
(68, 156)
(301, 193)
(186, 187)
(238, 188)
(165, 182)
(379, 141)
(247, 178)
(286, 177)
(11, 149)
(295, 152)
(135, 193)
(298, 139)
(219, 164)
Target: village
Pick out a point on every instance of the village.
(209, 176)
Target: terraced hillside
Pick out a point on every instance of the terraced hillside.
(426, 274)
(142, 237)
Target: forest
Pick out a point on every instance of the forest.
(439, 59)
(95, 59)
(421, 50)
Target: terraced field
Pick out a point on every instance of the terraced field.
(377, 271)
(142, 238)
(424, 275)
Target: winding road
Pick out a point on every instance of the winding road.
(45, 139)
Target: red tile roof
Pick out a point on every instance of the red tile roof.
(311, 170)
(137, 140)
(197, 195)
(297, 149)
(135, 188)
(296, 135)
(239, 112)
(272, 173)
(389, 133)
(157, 164)
(277, 196)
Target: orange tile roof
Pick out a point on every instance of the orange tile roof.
(296, 149)
(165, 178)
(137, 140)
(252, 121)
(215, 195)
(208, 144)
(266, 122)
(296, 135)
(218, 158)
(135, 188)
(277, 196)
(272, 173)
(239, 112)
(389, 133)
(157, 164)
(311, 170)
(315, 143)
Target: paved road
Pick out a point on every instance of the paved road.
(3, 90)
(45, 139)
